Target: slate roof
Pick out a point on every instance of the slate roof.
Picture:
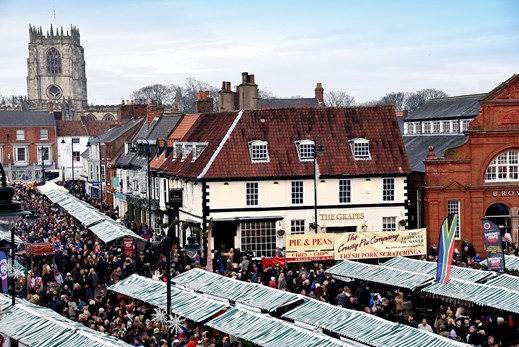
(27, 118)
(280, 128)
(113, 133)
(287, 103)
(167, 122)
(417, 147)
(464, 106)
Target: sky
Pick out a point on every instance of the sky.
(364, 48)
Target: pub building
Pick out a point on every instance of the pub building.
(479, 178)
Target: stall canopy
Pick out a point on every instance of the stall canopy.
(251, 294)
(100, 224)
(47, 187)
(267, 331)
(40, 326)
(477, 293)
(505, 281)
(379, 274)
(183, 303)
(6, 235)
(429, 268)
(511, 262)
(358, 326)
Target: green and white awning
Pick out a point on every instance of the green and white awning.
(479, 294)
(358, 326)
(39, 326)
(379, 274)
(183, 303)
(505, 281)
(100, 224)
(250, 294)
(511, 262)
(429, 268)
(268, 331)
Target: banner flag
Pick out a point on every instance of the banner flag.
(493, 246)
(317, 173)
(4, 274)
(446, 248)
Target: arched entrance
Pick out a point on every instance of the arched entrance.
(500, 214)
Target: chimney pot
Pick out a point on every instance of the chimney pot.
(251, 78)
(244, 77)
(228, 86)
(224, 84)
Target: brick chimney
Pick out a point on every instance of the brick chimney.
(153, 111)
(204, 103)
(248, 92)
(226, 98)
(319, 93)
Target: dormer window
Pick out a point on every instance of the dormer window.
(198, 148)
(360, 149)
(305, 150)
(258, 151)
(177, 150)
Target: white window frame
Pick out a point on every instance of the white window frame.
(465, 123)
(251, 193)
(26, 155)
(297, 226)
(360, 149)
(20, 134)
(454, 206)
(437, 127)
(48, 156)
(389, 223)
(297, 196)
(388, 189)
(426, 128)
(503, 168)
(44, 134)
(455, 126)
(409, 128)
(258, 151)
(1, 154)
(344, 191)
(305, 150)
(260, 237)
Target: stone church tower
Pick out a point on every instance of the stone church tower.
(56, 70)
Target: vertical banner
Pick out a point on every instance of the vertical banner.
(128, 247)
(446, 248)
(3, 272)
(493, 246)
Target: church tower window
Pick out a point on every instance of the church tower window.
(53, 61)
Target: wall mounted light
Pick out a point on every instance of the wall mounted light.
(276, 183)
(226, 184)
(368, 179)
(323, 181)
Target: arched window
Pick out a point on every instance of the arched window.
(90, 116)
(504, 167)
(53, 61)
(108, 116)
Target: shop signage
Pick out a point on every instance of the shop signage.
(41, 248)
(128, 247)
(355, 245)
(340, 216)
(505, 193)
(493, 246)
(175, 197)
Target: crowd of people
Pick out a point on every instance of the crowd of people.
(74, 279)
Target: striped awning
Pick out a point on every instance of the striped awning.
(379, 274)
(407, 336)
(505, 281)
(100, 224)
(511, 262)
(268, 331)
(39, 326)
(477, 293)
(251, 294)
(429, 268)
(183, 303)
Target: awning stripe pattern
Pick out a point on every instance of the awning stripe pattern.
(429, 268)
(379, 274)
(480, 294)
(511, 262)
(359, 326)
(251, 294)
(505, 281)
(100, 224)
(183, 303)
(40, 326)
(268, 331)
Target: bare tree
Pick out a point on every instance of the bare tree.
(338, 99)
(189, 90)
(416, 100)
(265, 94)
(397, 99)
(157, 92)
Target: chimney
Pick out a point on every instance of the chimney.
(154, 111)
(319, 93)
(248, 92)
(226, 98)
(203, 103)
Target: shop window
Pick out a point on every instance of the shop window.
(505, 167)
(260, 237)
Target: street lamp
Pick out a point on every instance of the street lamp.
(10, 210)
(191, 248)
(100, 170)
(133, 149)
(42, 154)
(317, 151)
(72, 143)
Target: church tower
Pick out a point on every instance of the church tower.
(56, 69)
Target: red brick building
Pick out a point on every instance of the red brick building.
(480, 178)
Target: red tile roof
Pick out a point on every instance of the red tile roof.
(70, 128)
(98, 127)
(280, 128)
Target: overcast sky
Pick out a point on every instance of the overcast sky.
(365, 48)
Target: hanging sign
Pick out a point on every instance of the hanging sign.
(3, 272)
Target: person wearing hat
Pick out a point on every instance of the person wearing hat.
(272, 282)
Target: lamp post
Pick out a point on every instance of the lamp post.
(133, 149)
(42, 153)
(72, 152)
(317, 151)
(10, 210)
(100, 171)
(191, 248)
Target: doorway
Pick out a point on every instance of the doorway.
(500, 214)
